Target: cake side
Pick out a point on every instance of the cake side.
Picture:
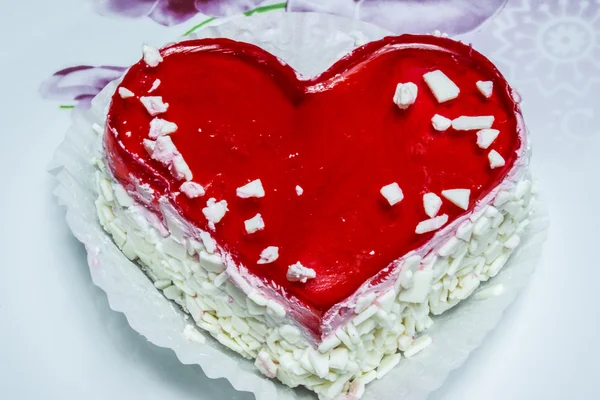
(382, 327)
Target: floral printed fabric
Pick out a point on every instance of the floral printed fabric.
(80, 84)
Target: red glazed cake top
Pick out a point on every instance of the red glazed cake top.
(242, 115)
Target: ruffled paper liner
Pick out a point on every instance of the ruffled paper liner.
(310, 43)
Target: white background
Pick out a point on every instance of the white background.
(60, 340)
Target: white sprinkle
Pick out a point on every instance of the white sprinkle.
(338, 358)
(386, 300)
(265, 364)
(512, 242)
(254, 224)
(441, 86)
(125, 93)
(392, 193)
(365, 315)
(299, 273)
(160, 127)
(405, 95)
(151, 55)
(387, 363)
(458, 197)
(155, 85)
(440, 123)
(466, 123)
(432, 204)
(192, 189)
(209, 243)
(179, 168)
(420, 288)
(465, 230)
(192, 334)
(149, 145)
(269, 255)
(491, 291)
(418, 345)
(154, 104)
(215, 211)
(299, 190)
(486, 88)
(329, 343)
(320, 363)
(496, 159)
(251, 189)
(431, 224)
(363, 302)
(486, 137)
(128, 134)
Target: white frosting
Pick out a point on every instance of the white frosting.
(467, 123)
(441, 86)
(440, 123)
(392, 193)
(405, 95)
(458, 197)
(432, 224)
(251, 189)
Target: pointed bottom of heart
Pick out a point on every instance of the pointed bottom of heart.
(382, 326)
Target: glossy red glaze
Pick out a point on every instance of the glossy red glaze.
(243, 115)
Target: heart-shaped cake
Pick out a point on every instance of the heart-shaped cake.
(314, 223)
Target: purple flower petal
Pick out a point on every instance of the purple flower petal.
(173, 12)
(125, 8)
(409, 16)
(79, 83)
(216, 8)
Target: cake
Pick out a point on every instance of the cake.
(314, 225)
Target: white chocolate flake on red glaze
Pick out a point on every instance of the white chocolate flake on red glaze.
(441, 86)
(440, 123)
(486, 88)
(251, 189)
(468, 123)
(458, 197)
(151, 55)
(392, 193)
(125, 93)
(154, 104)
(405, 95)
(496, 160)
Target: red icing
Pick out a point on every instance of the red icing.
(341, 143)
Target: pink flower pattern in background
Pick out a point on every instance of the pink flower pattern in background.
(173, 12)
(80, 84)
